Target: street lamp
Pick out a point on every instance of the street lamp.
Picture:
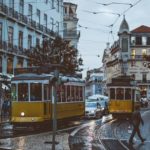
(80, 60)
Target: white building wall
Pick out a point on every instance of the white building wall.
(51, 11)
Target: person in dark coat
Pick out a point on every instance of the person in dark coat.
(136, 121)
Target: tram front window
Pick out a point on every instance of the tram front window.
(35, 92)
(112, 93)
(128, 93)
(23, 92)
(120, 94)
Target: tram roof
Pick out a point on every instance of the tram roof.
(32, 76)
(122, 81)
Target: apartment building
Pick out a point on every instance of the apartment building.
(70, 24)
(23, 24)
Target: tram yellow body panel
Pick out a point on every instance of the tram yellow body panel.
(120, 106)
(33, 111)
(66, 110)
(42, 111)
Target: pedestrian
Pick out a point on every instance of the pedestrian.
(4, 108)
(136, 121)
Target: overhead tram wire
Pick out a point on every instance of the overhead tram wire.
(97, 29)
(101, 12)
(114, 3)
(123, 13)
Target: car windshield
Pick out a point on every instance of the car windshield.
(91, 104)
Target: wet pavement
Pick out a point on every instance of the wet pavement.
(86, 137)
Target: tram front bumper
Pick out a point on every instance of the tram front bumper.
(27, 119)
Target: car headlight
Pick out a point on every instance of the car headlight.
(22, 114)
(92, 111)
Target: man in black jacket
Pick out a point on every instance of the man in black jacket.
(136, 120)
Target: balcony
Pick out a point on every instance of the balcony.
(71, 34)
(143, 81)
(137, 57)
(70, 17)
(20, 18)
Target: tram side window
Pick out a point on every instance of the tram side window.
(63, 93)
(68, 93)
(120, 95)
(77, 93)
(112, 93)
(80, 93)
(23, 92)
(46, 92)
(59, 93)
(128, 93)
(36, 92)
(72, 93)
(13, 92)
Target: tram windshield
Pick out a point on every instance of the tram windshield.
(128, 93)
(35, 92)
(23, 92)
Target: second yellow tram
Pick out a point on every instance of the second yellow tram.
(123, 96)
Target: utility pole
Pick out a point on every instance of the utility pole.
(54, 103)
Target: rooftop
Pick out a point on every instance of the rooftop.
(141, 29)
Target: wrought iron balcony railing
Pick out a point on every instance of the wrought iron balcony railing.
(16, 16)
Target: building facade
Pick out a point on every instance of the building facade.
(70, 32)
(94, 82)
(127, 56)
(23, 23)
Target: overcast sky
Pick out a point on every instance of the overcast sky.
(95, 30)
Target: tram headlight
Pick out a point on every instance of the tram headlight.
(22, 114)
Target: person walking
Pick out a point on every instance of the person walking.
(136, 121)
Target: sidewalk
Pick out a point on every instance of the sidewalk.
(4, 119)
(36, 142)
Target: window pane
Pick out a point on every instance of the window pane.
(20, 39)
(127, 93)
(68, 93)
(148, 40)
(10, 65)
(124, 45)
(112, 93)
(13, 92)
(120, 94)
(63, 93)
(46, 92)
(0, 32)
(23, 92)
(36, 92)
(10, 37)
(138, 41)
(81, 93)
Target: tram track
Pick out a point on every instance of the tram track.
(114, 142)
(6, 132)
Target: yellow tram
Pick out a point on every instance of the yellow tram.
(123, 96)
(33, 98)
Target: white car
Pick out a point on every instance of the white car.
(144, 102)
(93, 110)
